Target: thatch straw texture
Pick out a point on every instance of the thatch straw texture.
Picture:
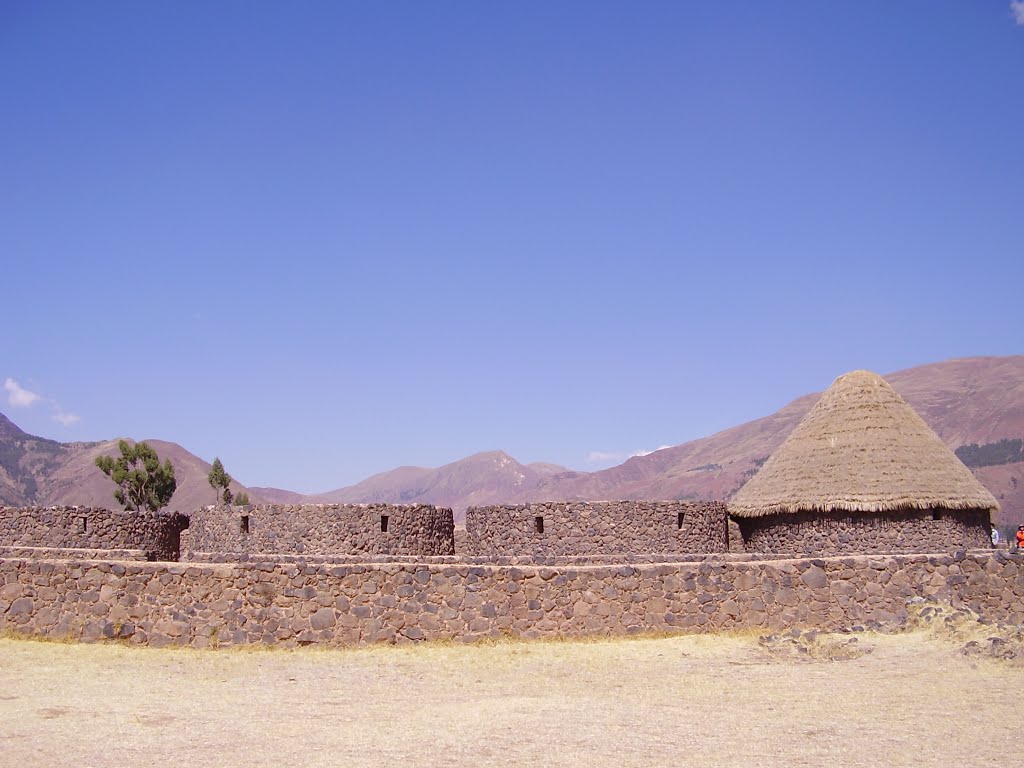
(862, 448)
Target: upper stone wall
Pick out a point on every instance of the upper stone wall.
(596, 528)
(154, 534)
(321, 529)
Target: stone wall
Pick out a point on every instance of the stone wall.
(205, 604)
(736, 545)
(320, 529)
(596, 528)
(835, 533)
(152, 535)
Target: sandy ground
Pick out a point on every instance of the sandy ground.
(911, 699)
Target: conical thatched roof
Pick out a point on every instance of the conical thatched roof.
(862, 448)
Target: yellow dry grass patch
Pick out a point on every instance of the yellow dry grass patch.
(695, 700)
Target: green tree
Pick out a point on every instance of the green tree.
(219, 481)
(142, 481)
(242, 499)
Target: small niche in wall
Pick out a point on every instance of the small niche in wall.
(936, 514)
(680, 517)
(243, 526)
(83, 525)
(383, 523)
(538, 524)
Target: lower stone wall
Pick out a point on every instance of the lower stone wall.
(204, 604)
(837, 533)
(596, 528)
(154, 534)
(321, 529)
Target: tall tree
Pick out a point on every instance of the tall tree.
(142, 481)
(219, 481)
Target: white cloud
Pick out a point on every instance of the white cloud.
(648, 453)
(65, 418)
(1017, 9)
(17, 395)
(603, 457)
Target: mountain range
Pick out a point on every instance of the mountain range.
(38, 471)
(968, 401)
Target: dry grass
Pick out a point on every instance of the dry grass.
(697, 700)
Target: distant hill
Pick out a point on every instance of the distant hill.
(970, 402)
(28, 464)
(484, 478)
(34, 470)
(276, 496)
(974, 400)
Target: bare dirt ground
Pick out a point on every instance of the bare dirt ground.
(727, 700)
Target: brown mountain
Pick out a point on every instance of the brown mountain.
(484, 478)
(974, 400)
(34, 470)
(276, 496)
(27, 461)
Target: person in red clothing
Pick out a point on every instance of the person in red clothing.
(1020, 537)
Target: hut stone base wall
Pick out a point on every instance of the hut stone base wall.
(319, 529)
(596, 528)
(837, 533)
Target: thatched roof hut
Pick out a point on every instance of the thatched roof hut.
(861, 449)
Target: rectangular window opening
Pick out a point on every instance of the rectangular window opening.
(83, 525)
(679, 520)
(936, 515)
(383, 523)
(244, 525)
(538, 524)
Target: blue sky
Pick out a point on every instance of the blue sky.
(321, 240)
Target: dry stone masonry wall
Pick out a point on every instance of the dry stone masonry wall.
(48, 530)
(210, 604)
(348, 574)
(833, 533)
(596, 528)
(225, 533)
